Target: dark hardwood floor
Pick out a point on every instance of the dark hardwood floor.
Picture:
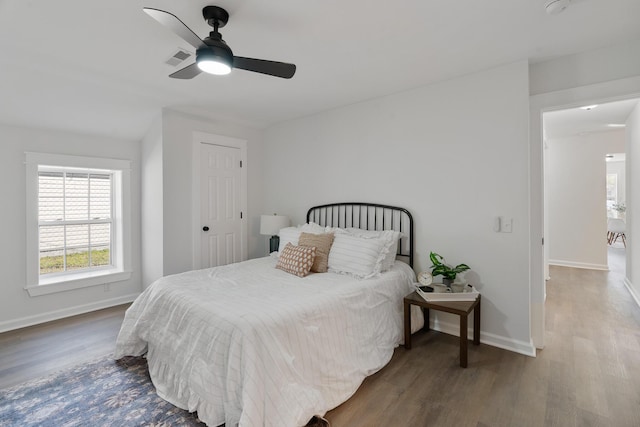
(588, 374)
(35, 351)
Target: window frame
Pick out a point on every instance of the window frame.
(121, 225)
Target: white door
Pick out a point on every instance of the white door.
(220, 205)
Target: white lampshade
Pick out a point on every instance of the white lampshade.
(270, 225)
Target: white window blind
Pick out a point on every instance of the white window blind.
(75, 219)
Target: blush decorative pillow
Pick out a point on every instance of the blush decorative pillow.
(322, 243)
(296, 259)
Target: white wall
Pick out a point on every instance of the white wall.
(17, 308)
(454, 153)
(576, 197)
(176, 183)
(152, 204)
(586, 68)
(633, 203)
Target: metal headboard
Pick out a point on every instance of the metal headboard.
(368, 216)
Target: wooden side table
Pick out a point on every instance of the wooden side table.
(461, 308)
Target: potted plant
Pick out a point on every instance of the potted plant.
(448, 273)
(620, 209)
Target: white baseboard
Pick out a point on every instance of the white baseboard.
(575, 264)
(634, 294)
(23, 322)
(528, 349)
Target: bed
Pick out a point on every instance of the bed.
(248, 344)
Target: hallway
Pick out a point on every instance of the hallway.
(593, 338)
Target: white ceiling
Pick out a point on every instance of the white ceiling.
(98, 67)
(605, 117)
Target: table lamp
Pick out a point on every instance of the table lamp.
(270, 225)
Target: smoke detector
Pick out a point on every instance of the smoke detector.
(554, 7)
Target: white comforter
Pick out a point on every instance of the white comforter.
(247, 344)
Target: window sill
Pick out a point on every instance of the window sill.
(62, 284)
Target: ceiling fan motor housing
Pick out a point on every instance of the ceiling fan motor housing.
(215, 52)
(215, 48)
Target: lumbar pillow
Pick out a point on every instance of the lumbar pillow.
(322, 243)
(296, 259)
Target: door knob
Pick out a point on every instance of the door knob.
(205, 228)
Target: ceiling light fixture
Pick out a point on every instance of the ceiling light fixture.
(589, 107)
(554, 7)
(617, 125)
(214, 60)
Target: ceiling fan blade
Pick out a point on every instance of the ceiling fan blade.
(175, 24)
(188, 72)
(272, 68)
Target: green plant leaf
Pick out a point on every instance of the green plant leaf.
(438, 267)
(461, 267)
(439, 270)
(434, 258)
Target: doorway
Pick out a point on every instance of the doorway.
(540, 104)
(219, 200)
(579, 189)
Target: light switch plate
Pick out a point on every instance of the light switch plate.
(506, 225)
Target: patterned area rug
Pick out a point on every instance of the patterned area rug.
(100, 393)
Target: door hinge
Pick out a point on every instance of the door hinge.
(543, 241)
(240, 215)
(240, 163)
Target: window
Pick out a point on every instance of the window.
(612, 187)
(77, 230)
(74, 219)
(612, 193)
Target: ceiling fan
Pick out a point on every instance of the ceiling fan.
(212, 54)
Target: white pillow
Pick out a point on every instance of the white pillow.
(357, 256)
(288, 235)
(292, 234)
(390, 236)
(390, 258)
(313, 228)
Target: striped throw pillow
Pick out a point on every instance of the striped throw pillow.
(357, 256)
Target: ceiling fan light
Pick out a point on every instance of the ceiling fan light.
(214, 60)
(210, 66)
